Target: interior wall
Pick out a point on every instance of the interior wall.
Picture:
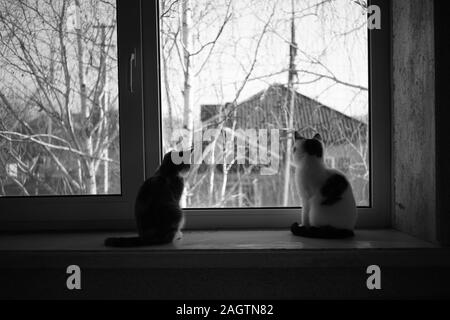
(413, 102)
(442, 36)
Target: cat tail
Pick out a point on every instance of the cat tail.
(321, 232)
(134, 242)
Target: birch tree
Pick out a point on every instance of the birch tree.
(56, 63)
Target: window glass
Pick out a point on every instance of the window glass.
(59, 115)
(239, 76)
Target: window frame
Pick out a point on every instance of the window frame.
(92, 211)
(140, 136)
(377, 215)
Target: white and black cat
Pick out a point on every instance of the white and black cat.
(329, 208)
(159, 217)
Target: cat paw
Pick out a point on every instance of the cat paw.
(179, 235)
(296, 227)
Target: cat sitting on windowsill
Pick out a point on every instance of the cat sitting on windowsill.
(329, 207)
(159, 217)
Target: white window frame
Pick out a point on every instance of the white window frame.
(140, 144)
(98, 211)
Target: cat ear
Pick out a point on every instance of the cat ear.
(318, 137)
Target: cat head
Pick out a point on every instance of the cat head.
(304, 147)
(176, 162)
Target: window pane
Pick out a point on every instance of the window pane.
(261, 69)
(59, 122)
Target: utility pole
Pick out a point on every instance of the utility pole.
(292, 76)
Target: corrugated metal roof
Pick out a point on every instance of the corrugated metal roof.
(269, 109)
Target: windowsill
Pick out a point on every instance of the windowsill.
(219, 249)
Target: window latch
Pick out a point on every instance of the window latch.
(132, 64)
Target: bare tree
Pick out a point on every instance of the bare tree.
(43, 44)
(186, 46)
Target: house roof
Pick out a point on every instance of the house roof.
(268, 109)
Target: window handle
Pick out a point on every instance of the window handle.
(132, 64)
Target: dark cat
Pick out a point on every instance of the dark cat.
(159, 216)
